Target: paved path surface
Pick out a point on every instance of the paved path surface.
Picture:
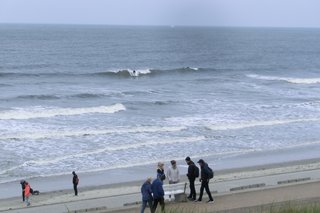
(270, 191)
(239, 202)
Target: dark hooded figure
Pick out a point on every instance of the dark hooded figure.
(193, 173)
(204, 180)
(23, 186)
(75, 181)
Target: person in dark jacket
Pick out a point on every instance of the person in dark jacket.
(160, 172)
(22, 182)
(75, 181)
(192, 177)
(146, 195)
(158, 193)
(204, 181)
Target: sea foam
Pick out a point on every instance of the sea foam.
(43, 112)
(87, 132)
(287, 79)
(250, 124)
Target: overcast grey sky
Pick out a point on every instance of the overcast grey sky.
(277, 13)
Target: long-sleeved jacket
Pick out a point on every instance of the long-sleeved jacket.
(191, 170)
(157, 189)
(146, 191)
(27, 190)
(205, 172)
(173, 175)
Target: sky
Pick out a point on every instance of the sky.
(252, 13)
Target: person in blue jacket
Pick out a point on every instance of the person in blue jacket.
(158, 193)
(146, 195)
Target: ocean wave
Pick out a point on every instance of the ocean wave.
(40, 162)
(125, 73)
(250, 124)
(139, 72)
(39, 97)
(41, 112)
(89, 132)
(287, 79)
(86, 95)
(120, 73)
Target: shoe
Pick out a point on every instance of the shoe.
(197, 200)
(210, 201)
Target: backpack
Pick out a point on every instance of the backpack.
(210, 173)
(196, 171)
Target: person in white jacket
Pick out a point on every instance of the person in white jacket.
(173, 173)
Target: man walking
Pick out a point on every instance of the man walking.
(206, 174)
(158, 193)
(146, 195)
(193, 173)
(75, 181)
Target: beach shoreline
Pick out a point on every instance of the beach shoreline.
(132, 187)
(112, 191)
(251, 162)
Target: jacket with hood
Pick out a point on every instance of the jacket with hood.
(191, 170)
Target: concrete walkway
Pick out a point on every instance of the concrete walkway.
(234, 193)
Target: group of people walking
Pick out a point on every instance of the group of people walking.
(153, 193)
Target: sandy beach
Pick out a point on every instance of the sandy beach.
(115, 196)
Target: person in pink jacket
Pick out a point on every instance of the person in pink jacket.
(27, 193)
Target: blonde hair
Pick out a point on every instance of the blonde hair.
(160, 164)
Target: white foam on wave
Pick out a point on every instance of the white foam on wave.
(41, 162)
(43, 112)
(289, 80)
(78, 133)
(139, 72)
(133, 72)
(249, 124)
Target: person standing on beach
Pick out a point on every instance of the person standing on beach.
(158, 193)
(27, 192)
(206, 175)
(75, 181)
(22, 182)
(147, 195)
(173, 173)
(193, 173)
(160, 171)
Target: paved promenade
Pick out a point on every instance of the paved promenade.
(236, 192)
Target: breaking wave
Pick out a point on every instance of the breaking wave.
(41, 112)
(88, 132)
(289, 80)
(250, 124)
(151, 72)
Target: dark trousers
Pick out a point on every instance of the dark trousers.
(205, 185)
(23, 199)
(144, 205)
(193, 193)
(75, 188)
(155, 204)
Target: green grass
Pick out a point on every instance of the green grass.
(297, 208)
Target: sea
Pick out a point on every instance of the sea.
(91, 98)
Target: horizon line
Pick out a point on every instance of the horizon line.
(161, 25)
